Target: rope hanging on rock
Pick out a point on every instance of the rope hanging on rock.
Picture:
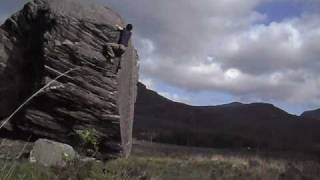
(35, 94)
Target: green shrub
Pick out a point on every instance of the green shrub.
(89, 139)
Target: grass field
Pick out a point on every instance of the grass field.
(165, 162)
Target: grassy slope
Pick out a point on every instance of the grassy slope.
(170, 162)
(147, 168)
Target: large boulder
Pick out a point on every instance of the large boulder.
(50, 37)
(50, 153)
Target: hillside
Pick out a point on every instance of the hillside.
(315, 114)
(258, 125)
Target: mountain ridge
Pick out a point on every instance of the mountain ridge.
(312, 114)
(258, 125)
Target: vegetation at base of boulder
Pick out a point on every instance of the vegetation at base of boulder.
(67, 158)
(88, 139)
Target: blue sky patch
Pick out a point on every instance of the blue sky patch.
(279, 10)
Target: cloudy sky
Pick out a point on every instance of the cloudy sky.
(209, 52)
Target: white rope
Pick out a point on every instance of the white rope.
(44, 87)
(34, 95)
(56, 71)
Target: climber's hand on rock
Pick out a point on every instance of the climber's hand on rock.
(119, 27)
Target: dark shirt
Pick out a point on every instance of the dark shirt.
(125, 36)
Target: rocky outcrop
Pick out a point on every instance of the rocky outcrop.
(50, 153)
(50, 37)
(14, 149)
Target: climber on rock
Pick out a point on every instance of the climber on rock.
(114, 50)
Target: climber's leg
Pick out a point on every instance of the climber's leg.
(122, 49)
(118, 67)
(109, 50)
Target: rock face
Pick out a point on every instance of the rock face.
(51, 153)
(50, 37)
(14, 149)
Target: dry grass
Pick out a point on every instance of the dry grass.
(182, 163)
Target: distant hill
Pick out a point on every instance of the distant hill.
(235, 125)
(315, 114)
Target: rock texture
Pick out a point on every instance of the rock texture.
(52, 154)
(49, 37)
(14, 149)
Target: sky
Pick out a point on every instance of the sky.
(211, 52)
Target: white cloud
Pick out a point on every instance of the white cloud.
(274, 62)
(148, 83)
(2, 18)
(175, 97)
(223, 45)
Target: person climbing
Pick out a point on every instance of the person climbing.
(114, 50)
